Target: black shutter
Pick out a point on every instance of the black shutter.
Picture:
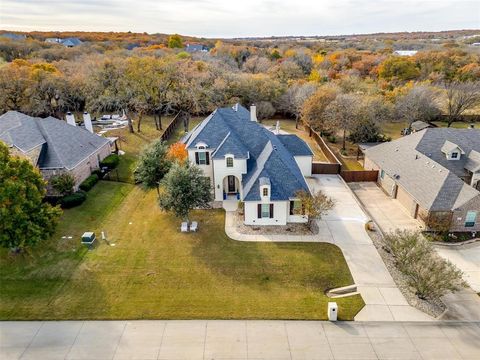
(196, 158)
(259, 211)
(292, 205)
(303, 209)
(271, 211)
(207, 158)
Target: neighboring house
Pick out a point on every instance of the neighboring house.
(196, 47)
(246, 161)
(419, 125)
(405, 52)
(435, 175)
(13, 36)
(53, 145)
(68, 42)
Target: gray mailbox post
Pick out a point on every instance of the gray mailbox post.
(332, 311)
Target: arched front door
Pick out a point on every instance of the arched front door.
(231, 184)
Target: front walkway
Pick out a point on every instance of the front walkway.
(209, 339)
(390, 215)
(344, 226)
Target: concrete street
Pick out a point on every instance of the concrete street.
(208, 339)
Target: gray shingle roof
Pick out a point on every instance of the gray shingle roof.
(249, 137)
(421, 168)
(419, 125)
(64, 146)
(449, 146)
(473, 161)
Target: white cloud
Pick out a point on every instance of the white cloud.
(217, 18)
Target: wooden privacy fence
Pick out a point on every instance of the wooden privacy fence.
(325, 168)
(359, 175)
(167, 134)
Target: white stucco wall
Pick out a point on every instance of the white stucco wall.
(280, 211)
(221, 171)
(305, 164)
(207, 169)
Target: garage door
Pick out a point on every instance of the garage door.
(406, 200)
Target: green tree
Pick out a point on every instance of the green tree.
(175, 41)
(153, 165)
(24, 218)
(398, 67)
(63, 183)
(184, 188)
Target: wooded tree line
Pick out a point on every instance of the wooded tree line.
(351, 90)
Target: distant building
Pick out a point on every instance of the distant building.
(405, 52)
(196, 47)
(419, 125)
(13, 36)
(475, 44)
(68, 42)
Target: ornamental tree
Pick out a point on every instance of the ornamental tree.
(153, 165)
(24, 218)
(184, 188)
(63, 183)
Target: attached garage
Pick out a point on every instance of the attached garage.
(407, 201)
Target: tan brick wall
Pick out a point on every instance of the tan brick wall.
(458, 221)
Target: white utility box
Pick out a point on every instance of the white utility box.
(332, 311)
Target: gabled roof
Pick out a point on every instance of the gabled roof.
(72, 41)
(419, 125)
(230, 131)
(449, 146)
(473, 161)
(418, 164)
(63, 145)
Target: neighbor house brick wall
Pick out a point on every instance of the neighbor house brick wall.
(459, 215)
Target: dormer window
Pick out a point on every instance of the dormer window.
(265, 191)
(201, 147)
(229, 161)
(454, 155)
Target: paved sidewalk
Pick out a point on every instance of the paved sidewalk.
(344, 226)
(209, 339)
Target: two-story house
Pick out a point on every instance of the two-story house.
(245, 161)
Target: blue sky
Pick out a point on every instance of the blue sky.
(217, 18)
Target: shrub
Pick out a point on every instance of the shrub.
(111, 161)
(63, 183)
(73, 200)
(426, 272)
(89, 182)
(332, 139)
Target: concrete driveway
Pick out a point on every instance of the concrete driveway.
(209, 339)
(346, 225)
(388, 213)
(467, 259)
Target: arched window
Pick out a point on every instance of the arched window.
(229, 161)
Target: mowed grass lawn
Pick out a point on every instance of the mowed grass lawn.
(156, 272)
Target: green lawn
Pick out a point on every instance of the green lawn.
(156, 272)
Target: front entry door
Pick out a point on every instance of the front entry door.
(231, 184)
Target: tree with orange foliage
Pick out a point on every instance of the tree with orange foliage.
(177, 152)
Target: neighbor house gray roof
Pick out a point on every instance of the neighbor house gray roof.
(473, 161)
(419, 125)
(417, 163)
(229, 130)
(72, 41)
(13, 36)
(63, 145)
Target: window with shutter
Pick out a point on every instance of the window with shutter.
(265, 211)
(271, 211)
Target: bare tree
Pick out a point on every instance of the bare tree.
(461, 97)
(420, 103)
(343, 112)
